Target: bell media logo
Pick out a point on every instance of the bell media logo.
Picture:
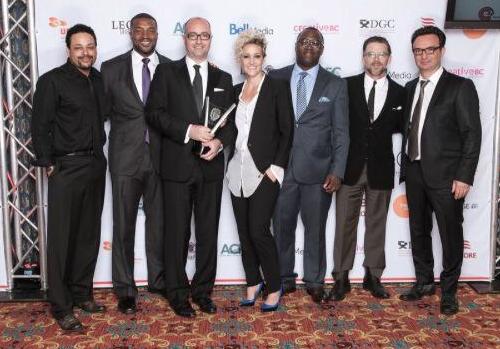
(235, 29)
(60, 24)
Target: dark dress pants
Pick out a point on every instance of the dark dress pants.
(258, 247)
(313, 203)
(422, 201)
(347, 209)
(75, 201)
(180, 200)
(127, 192)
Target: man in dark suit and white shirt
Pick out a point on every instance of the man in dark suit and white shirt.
(134, 156)
(375, 112)
(190, 180)
(317, 161)
(441, 146)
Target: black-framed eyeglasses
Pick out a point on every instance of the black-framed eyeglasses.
(427, 50)
(194, 36)
(376, 54)
(311, 43)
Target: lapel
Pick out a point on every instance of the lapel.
(361, 97)
(319, 86)
(388, 98)
(260, 108)
(186, 81)
(213, 79)
(438, 91)
(411, 94)
(130, 78)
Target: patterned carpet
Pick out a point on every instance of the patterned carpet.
(359, 321)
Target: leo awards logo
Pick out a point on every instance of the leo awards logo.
(60, 24)
(400, 206)
(324, 28)
(122, 26)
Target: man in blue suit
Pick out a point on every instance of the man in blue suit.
(317, 161)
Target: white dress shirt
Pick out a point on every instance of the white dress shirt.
(381, 89)
(204, 79)
(428, 92)
(242, 174)
(137, 68)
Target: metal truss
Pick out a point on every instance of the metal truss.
(21, 183)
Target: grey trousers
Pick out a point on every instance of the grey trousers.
(348, 206)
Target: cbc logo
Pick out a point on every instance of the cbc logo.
(400, 206)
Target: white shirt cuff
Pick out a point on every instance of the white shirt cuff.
(278, 172)
(186, 138)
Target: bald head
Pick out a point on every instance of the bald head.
(197, 38)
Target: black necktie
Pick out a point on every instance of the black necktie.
(415, 122)
(371, 102)
(146, 82)
(198, 88)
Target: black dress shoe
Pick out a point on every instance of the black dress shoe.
(341, 287)
(449, 304)
(418, 291)
(372, 283)
(206, 305)
(184, 309)
(317, 293)
(127, 305)
(70, 323)
(289, 286)
(91, 307)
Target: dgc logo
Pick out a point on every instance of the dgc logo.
(376, 23)
(231, 250)
(55, 22)
(400, 206)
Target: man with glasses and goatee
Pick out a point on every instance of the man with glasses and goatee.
(192, 179)
(317, 161)
(375, 112)
(441, 145)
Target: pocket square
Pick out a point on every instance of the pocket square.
(397, 108)
(324, 99)
(216, 89)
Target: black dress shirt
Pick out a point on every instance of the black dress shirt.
(67, 114)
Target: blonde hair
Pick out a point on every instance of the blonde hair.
(247, 37)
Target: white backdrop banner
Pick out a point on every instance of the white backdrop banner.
(345, 25)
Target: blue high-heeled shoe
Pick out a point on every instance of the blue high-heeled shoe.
(272, 307)
(251, 302)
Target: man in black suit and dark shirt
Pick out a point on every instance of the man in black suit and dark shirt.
(134, 161)
(190, 180)
(441, 146)
(68, 136)
(375, 112)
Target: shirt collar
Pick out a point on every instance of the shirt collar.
(380, 82)
(137, 58)
(190, 63)
(312, 72)
(70, 68)
(434, 78)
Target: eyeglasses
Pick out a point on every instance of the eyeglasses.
(194, 36)
(312, 43)
(428, 50)
(376, 54)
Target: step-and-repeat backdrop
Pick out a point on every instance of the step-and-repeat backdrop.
(345, 25)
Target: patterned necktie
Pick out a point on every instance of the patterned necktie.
(198, 88)
(415, 122)
(371, 102)
(301, 95)
(146, 82)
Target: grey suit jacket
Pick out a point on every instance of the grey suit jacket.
(321, 135)
(125, 109)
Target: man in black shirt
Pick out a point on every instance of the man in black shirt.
(68, 136)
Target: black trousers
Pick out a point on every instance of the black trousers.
(422, 201)
(75, 201)
(127, 192)
(180, 200)
(258, 247)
